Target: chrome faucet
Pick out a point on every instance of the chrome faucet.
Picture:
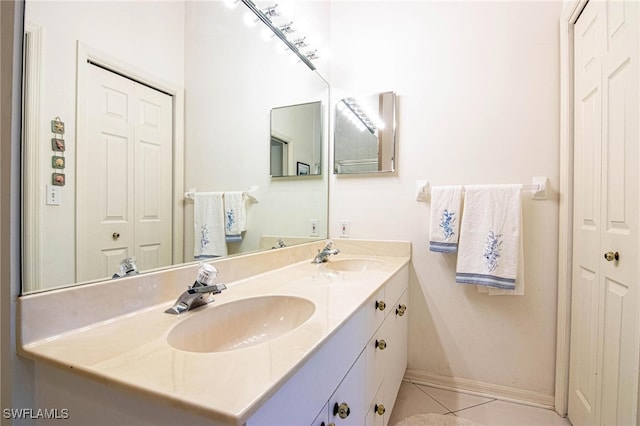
(323, 255)
(200, 293)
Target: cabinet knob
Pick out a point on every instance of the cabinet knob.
(611, 256)
(400, 310)
(115, 235)
(379, 409)
(380, 305)
(341, 410)
(381, 344)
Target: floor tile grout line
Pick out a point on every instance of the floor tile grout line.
(437, 402)
(473, 406)
(453, 411)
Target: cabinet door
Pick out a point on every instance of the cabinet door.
(395, 329)
(347, 406)
(323, 417)
(377, 412)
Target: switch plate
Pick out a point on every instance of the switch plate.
(314, 225)
(53, 195)
(344, 229)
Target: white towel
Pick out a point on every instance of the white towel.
(209, 234)
(235, 216)
(490, 236)
(445, 218)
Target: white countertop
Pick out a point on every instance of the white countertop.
(131, 351)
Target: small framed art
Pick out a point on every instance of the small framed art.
(57, 145)
(57, 162)
(303, 169)
(57, 179)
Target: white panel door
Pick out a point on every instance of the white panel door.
(124, 176)
(605, 299)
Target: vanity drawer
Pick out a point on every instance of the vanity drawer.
(394, 288)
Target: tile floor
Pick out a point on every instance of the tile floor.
(419, 399)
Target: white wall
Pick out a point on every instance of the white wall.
(112, 29)
(478, 86)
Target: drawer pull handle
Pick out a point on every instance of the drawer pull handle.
(400, 310)
(381, 344)
(379, 409)
(115, 235)
(381, 305)
(341, 410)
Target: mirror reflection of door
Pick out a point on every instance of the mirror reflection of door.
(124, 175)
(279, 157)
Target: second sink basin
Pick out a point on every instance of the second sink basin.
(354, 264)
(240, 324)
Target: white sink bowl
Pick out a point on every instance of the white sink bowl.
(354, 265)
(240, 324)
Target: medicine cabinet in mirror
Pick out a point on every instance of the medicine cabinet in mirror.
(296, 140)
(365, 134)
(208, 81)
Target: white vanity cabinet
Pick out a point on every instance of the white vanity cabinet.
(355, 376)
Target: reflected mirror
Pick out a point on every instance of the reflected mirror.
(365, 134)
(296, 140)
(176, 102)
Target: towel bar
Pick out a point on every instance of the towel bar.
(538, 186)
(251, 194)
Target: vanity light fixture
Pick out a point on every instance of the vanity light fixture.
(287, 29)
(280, 31)
(271, 11)
(300, 42)
(352, 106)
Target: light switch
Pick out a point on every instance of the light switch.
(53, 195)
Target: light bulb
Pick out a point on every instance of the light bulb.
(250, 19)
(266, 34)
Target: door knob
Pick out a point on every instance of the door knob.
(379, 409)
(115, 235)
(341, 410)
(380, 305)
(611, 256)
(400, 310)
(381, 344)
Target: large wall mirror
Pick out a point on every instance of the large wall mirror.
(365, 134)
(158, 100)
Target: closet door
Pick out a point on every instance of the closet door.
(605, 335)
(124, 176)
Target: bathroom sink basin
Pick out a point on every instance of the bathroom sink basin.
(354, 264)
(240, 324)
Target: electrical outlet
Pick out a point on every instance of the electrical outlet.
(314, 231)
(53, 195)
(344, 229)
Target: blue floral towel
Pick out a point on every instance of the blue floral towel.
(235, 216)
(209, 234)
(445, 218)
(490, 236)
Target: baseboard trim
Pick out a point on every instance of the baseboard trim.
(478, 388)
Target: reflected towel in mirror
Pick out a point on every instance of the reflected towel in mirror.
(209, 230)
(235, 216)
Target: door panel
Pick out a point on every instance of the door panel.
(124, 177)
(605, 325)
